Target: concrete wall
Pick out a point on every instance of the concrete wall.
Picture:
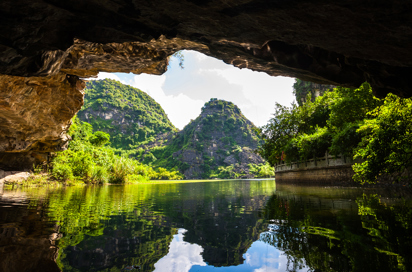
(342, 174)
(328, 169)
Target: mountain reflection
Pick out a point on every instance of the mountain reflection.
(159, 227)
(214, 226)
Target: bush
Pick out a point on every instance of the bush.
(99, 138)
(62, 172)
(81, 164)
(120, 169)
(99, 175)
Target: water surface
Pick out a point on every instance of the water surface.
(237, 225)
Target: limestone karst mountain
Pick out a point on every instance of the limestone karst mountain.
(219, 143)
(128, 114)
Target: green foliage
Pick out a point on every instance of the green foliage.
(62, 172)
(149, 158)
(100, 138)
(294, 129)
(99, 175)
(220, 131)
(121, 169)
(128, 115)
(386, 146)
(345, 121)
(263, 170)
(88, 160)
(310, 145)
(226, 172)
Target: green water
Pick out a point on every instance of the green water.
(238, 225)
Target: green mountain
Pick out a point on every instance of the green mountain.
(129, 115)
(220, 143)
(301, 89)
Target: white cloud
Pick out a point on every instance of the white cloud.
(179, 108)
(266, 269)
(182, 92)
(181, 257)
(255, 93)
(103, 75)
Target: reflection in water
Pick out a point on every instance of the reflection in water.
(181, 256)
(27, 238)
(214, 226)
(261, 256)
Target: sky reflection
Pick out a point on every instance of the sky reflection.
(181, 256)
(184, 257)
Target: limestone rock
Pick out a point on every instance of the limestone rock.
(35, 114)
(47, 45)
(220, 136)
(331, 42)
(13, 176)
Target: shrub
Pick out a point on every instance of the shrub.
(81, 165)
(99, 175)
(62, 172)
(120, 169)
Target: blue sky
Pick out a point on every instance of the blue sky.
(183, 92)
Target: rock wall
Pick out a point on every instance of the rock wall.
(49, 44)
(35, 113)
(330, 175)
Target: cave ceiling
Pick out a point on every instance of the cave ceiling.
(49, 46)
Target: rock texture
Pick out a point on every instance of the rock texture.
(128, 114)
(35, 113)
(13, 176)
(220, 136)
(342, 43)
(302, 88)
(329, 42)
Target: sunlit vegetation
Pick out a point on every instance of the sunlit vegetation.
(134, 224)
(90, 159)
(344, 121)
(221, 131)
(331, 242)
(127, 114)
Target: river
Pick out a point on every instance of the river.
(231, 225)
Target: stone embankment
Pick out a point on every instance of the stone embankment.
(331, 169)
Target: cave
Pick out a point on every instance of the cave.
(48, 47)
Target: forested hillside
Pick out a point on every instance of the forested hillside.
(220, 143)
(128, 114)
(345, 121)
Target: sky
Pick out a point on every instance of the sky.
(183, 92)
(185, 257)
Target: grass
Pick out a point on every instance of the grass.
(46, 179)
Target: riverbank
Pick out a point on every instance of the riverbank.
(28, 179)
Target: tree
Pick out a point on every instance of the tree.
(386, 146)
(180, 57)
(99, 138)
(278, 132)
